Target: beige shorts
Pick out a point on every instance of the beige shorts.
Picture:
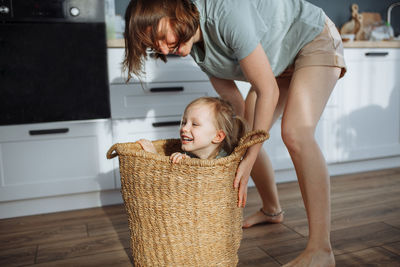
(325, 50)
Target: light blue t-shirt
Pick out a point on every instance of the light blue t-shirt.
(232, 29)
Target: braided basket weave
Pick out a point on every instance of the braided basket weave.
(182, 214)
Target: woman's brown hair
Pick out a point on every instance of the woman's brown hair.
(141, 28)
(233, 126)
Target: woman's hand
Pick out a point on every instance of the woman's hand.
(177, 157)
(243, 173)
(241, 180)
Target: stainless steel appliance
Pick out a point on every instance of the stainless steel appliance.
(53, 63)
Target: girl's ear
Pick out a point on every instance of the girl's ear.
(219, 137)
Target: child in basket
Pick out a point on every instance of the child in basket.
(209, 129)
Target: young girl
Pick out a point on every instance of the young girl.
(209, 129)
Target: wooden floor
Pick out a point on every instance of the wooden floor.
(365, 230)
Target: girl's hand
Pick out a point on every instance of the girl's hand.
(147, 145)
(177, 157)
(241, 180)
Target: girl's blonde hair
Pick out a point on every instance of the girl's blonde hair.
(141, 28)
(233, 125)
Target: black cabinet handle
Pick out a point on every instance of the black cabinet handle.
(166, 123)
(376, 54)
(166, 89)
(49, 131)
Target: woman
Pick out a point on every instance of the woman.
(292, 55)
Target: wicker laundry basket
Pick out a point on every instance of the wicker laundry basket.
(182, 214)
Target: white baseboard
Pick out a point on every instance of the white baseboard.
(103, 198)
(59, 203)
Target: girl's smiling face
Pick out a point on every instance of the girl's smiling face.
(199, 134)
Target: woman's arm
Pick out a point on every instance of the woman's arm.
(228, 90)
(258, 72)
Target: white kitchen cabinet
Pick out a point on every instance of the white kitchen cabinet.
(50, 159)
(155, 99)
(365, 106)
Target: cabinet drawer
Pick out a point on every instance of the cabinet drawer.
(131, 130)
(155, 99)
(51, 159)
(371, 54)
(176, 69)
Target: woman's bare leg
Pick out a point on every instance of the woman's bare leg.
(262, 172)
(309, 92)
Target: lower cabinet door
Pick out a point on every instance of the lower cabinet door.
(41, 160)
(367, 120)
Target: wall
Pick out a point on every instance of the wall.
(338, 10)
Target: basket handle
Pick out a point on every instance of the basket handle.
(112, 152)
(246, 141)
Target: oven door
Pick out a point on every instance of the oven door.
(52, 72)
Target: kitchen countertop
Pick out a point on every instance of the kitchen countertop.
(119, 43)
(116, 43)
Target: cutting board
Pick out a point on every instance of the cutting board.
(352, 26)
(371, 18)
(360, 22)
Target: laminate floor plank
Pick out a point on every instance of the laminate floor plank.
(117, 258)
(353, 216)
(364, 236)
(395, 222)
(81, 247)
(108, 226)
(18, 256)
(42, 236)
(28, 223)
(361, 201)
(254, 257)
(376, 256)
(393, 247)
(285, 251)
(266, 234)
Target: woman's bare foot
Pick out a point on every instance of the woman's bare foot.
(313, 258)
(262, 217)
(147, 145)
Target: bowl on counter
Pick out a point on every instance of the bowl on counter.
(348, 37)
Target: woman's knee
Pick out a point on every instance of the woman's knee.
(296, 138)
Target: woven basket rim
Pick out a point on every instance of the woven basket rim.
(118, 149)
(186, 161)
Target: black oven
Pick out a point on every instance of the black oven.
(53, 62)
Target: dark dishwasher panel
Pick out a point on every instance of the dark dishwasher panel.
(53, 65)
